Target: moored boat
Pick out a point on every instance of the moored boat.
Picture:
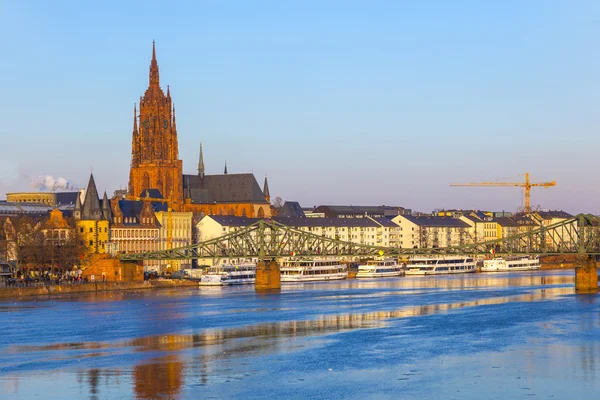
(500, 264)
(311, 270)
(223, 275)
(380, 269)
(440, 265)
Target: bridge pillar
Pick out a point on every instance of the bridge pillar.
(586, 276)
(268, 276)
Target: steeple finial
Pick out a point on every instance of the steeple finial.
(225, 171)
(168, 91)
(154, 68)
(266, 190)
(135, 129)
(201, 163)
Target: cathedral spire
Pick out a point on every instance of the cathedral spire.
(154, 68)
(225, 171)
(201, 163)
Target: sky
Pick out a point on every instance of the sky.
(337, 102)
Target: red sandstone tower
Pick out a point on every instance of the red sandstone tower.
(155, 160)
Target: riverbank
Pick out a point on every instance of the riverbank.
(16, 292)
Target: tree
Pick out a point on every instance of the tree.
(277, 205)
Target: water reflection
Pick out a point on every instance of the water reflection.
(160, 378)
(149, 366)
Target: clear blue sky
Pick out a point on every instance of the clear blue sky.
(345, 102)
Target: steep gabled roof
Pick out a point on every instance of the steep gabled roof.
(291, 209)
(91, 208)
(226, 188)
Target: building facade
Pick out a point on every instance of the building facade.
(431, 231)
(176, 226)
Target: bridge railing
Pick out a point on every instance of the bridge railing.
(268, 239)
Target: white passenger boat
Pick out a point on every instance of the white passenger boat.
(312, 270)
(499, 264)
(440, 265)
(379, 269)
(223, 275)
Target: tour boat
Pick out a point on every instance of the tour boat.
(499, 264)
(440, 265)
(312, 270)
(223, 275)
(379, 269)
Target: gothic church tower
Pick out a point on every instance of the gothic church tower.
(155, 162)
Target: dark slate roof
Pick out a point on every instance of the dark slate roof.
(66, 197)
(554, 214)
(386, 222)
(226, 188)
(524, 220)
(333, 211)
(291, 209)
(327, 222)
(231, 220)
(133, 209)
(152, 193)
(505, 221)
(434, 221)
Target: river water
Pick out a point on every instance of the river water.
(476, 336)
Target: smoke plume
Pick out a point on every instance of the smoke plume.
(48, 183)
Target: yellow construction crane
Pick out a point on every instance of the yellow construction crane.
(169, 216)
(527, 185)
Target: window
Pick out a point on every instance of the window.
(81, 230)
(91, 242)
(91, 230)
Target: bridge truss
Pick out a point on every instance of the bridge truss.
(267, 239)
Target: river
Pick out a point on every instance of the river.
(476, 336)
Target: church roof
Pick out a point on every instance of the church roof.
(226, 188)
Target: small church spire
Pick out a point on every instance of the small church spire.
(266, 190)
(225, 171)
(201, 163)
(174, 123)
(168, 92)
(154, 68)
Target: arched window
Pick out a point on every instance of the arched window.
(261, 213)
(244, 212)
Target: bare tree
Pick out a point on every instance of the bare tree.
(277, 205)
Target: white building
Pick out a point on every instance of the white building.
(431, 231)
(369, 231)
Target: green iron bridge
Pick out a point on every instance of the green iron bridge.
(268, 239)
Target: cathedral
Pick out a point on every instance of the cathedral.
(155, 164)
